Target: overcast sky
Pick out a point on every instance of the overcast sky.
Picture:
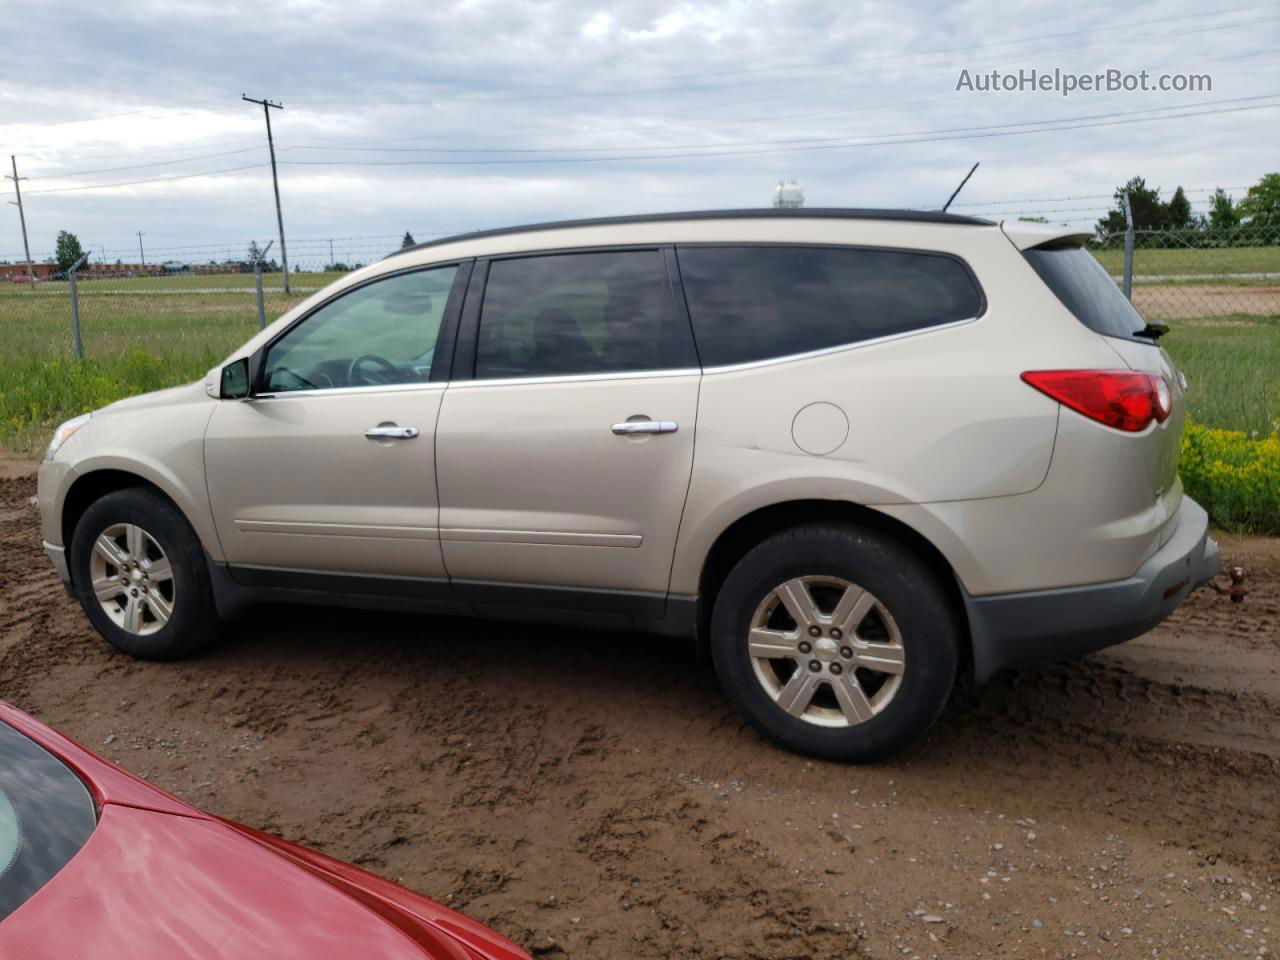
(441, 117)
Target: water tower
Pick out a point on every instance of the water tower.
(788, 195)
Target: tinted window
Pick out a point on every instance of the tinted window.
(751, 303)
(579, 313)
(46, 815)
(383, 332)
(1083, 286)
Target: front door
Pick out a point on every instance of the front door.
(564, 463)
(331, 468)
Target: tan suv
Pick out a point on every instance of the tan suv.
(850, 452)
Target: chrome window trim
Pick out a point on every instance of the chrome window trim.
(840, 348)
(578, 377)
(348, 391)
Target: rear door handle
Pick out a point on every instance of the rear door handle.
(391, 433)
(645, 426)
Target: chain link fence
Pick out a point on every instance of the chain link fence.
(101, 310)
(1194, 275)
(1198, 274)
(110, 330)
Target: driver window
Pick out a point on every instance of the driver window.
(381, 333)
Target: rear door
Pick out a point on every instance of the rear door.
(564, 460)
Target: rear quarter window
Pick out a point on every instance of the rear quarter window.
(1084, 287)
(758, 302)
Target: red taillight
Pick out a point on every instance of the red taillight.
(1123, 399)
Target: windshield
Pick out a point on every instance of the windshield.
(1084, 288)
(46, 815)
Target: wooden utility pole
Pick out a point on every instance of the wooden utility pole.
(267, 107)
(141, 253)
(22, 217)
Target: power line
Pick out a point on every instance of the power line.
(131, 183)
(865, 62)
(797, 140)
(130, 113)
(1093, 196)
(898, 139)
(849, 143)
(158, 163)
(159, 150)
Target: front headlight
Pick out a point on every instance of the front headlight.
(64, 432)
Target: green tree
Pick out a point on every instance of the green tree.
(67, 251)
(1148, 212)
(1261, 205)
(252, 256)
(408, 241)
(1179, 210)
(1222, 211)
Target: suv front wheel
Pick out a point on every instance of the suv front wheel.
(141, 576)
(835, 641)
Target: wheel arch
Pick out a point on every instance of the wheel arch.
(87, 488)
(747, 531)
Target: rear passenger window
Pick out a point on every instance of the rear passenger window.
(607, 312)
(753, 303)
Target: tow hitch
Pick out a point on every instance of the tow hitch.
(1236, 591)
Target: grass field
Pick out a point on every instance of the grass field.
(1188, 261)
(134, 341)
(171, 282)
(1232, 365)
(137, 339)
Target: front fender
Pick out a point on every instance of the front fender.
(162, 445)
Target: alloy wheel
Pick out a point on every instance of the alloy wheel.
(826, 651)
(132, 579)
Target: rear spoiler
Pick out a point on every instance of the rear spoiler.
(1025, 235)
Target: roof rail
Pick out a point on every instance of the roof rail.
(762, 213)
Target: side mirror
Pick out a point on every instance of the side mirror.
(235, 380)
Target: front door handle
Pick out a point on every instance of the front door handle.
(391, 433)
(628, 427)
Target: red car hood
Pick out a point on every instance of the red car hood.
(158, 879)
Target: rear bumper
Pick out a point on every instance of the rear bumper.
(1041, 626)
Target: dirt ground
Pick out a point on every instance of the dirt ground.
(1177, 301)
(593, 795)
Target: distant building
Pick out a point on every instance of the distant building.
(788, 195)
(17, 272)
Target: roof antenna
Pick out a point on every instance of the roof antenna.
(959, 188)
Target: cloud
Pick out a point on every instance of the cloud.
(395, 116)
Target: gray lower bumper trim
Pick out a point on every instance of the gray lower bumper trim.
(58, 557)
(1046, 625)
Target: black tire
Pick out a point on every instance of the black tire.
(908, 591)
(194, 622)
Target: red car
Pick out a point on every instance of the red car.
(95, 862)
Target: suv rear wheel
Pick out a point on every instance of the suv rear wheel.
(835, 641)
(140, 575)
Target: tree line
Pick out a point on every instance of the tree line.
(1259, 207)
